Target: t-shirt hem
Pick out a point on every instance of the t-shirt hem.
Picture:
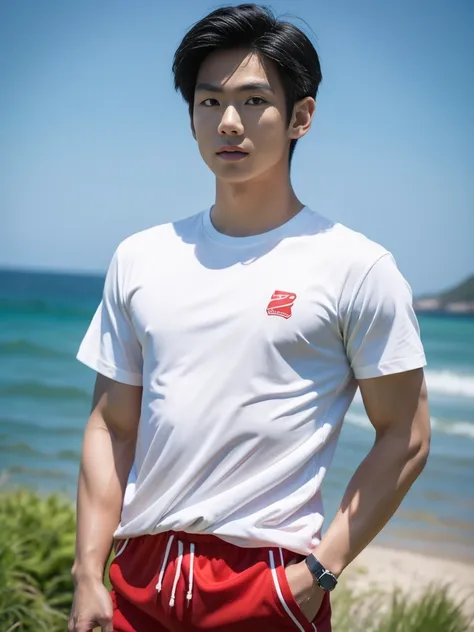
(390, 368)
(110, 371)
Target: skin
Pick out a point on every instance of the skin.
(107, 456)
(252, 196)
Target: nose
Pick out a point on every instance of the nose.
(231, 123)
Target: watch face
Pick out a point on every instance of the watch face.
(327, 581)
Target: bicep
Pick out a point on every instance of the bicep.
(118, 405)
(397, 403)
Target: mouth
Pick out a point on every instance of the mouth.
(231, 153)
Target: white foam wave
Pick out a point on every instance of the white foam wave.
(461, 428)
(358, 419)
(445, 383)
(450, 383)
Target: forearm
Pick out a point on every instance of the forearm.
(372, 497)
(105, 465)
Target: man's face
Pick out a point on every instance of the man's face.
(239, 103)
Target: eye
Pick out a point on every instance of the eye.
(209, 102)
(256, 101)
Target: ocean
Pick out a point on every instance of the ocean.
(45, 397)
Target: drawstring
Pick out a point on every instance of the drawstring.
(189, 596)
(178, 570)
(121, 548)
(159, 585)
(163, 566)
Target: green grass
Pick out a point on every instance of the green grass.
(36, 554)
(433, 611)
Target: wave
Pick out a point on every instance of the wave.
(19, 449)
(21, 426)
(358, 419)
(37, 390)
(25, 449)
(40, 307)
(24, 347)
(450, 383)
(37, 473)
(461, 428)
(445, 382)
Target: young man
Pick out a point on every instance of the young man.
(228, 348)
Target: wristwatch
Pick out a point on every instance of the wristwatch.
(325, 579)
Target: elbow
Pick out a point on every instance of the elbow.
(421, 431)
(421, 444)
(423, 454)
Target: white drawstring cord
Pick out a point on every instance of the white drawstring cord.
(121, 548)
(189, 596)
(163, 566)
(159, 584)
(178, 570)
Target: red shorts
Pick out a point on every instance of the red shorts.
(179, 582)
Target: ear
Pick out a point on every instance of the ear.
(193, 131)
(302, 118)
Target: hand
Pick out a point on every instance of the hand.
(91, 608)
(306, 592)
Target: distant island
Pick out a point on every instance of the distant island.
(457, 300)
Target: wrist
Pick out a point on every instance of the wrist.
(323, 577)
(82, 573)
(331, 560)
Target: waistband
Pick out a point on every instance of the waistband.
(186, 536)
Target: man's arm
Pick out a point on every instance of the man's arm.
(397, 406)
(107, 456)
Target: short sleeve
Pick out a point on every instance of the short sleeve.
(381, 331)
(110, 345)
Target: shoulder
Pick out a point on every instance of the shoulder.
(154, 239)
(351, 246)
(360, 256)
(149, 249)
(350, 254)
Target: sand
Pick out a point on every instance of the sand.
(385, 569)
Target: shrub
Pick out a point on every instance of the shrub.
(37, 551)
(36, 554)
(433, 611)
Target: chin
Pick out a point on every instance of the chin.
(231, 172)
(238, 172)
(235, 177)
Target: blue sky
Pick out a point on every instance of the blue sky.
(95, 143)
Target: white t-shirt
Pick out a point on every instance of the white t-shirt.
(248, 350)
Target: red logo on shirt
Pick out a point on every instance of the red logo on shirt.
(281, 304)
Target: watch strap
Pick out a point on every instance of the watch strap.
(324, 578)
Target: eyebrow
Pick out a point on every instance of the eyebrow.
(247, 87)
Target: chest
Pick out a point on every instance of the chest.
(283, 303)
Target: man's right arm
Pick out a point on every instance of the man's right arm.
(107, 457)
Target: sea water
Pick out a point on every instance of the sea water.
(45, 397)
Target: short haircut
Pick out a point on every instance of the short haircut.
(256, 28)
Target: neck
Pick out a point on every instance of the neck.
(255, 206)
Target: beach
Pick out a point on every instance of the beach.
(382, 569)
(45, 398)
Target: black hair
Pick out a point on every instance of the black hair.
(255, 27)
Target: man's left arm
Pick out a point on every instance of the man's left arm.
(397, 406)
(383, 346)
